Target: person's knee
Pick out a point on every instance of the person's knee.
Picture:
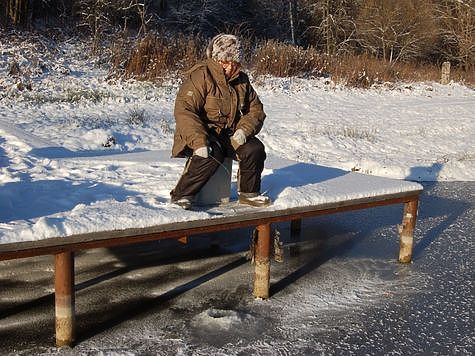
(253, 150)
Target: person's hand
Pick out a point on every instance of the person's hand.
(238, 139)
(204, 151)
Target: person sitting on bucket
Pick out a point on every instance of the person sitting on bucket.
(217, 115)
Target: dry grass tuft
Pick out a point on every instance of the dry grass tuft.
(155, 56)
(285, 60)
(363, 71)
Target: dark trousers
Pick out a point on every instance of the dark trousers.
(198, 170)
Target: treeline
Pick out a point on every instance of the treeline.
(417, 31)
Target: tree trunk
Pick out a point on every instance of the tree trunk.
(291, 17)
(327, 25)
(17, 12)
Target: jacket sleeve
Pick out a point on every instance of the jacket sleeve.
(188, 106)
(253, 120)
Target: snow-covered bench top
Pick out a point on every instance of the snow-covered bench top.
(293, 186)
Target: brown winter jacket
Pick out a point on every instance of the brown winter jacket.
(206, 103)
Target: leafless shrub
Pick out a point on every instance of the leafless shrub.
(285, 60)
(99, 17)
(137, 117)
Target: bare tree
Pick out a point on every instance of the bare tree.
(291, 20)
(193, 16)
(94, 15)
(17, 12)
(330, 24)
(138, 9)
(97, 16)
(276, 19)
(458, 31)
(145, 17)
(396, 30)
(22, 13)
(207, 17)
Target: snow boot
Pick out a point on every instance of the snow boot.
(184, 203)
(254, 199)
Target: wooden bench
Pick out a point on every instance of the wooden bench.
(63, 248)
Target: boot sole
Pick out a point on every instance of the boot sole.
(254, 203)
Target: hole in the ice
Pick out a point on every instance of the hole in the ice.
(220, 313)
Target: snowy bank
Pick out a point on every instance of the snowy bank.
(64, 130)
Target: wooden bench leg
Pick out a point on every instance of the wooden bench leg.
(64, 298)
(262, 260)
(406, 231)
(295, 229)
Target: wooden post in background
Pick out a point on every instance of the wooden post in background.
(262, 261)
(445, 76)
(64, 298)
(406, 231)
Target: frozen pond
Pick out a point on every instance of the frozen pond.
(339, 291)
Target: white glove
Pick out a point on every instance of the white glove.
(204, 151)
(239, 137)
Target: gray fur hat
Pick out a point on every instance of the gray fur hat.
(225, 47)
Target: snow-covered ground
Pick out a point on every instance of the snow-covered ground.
(78, 145)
